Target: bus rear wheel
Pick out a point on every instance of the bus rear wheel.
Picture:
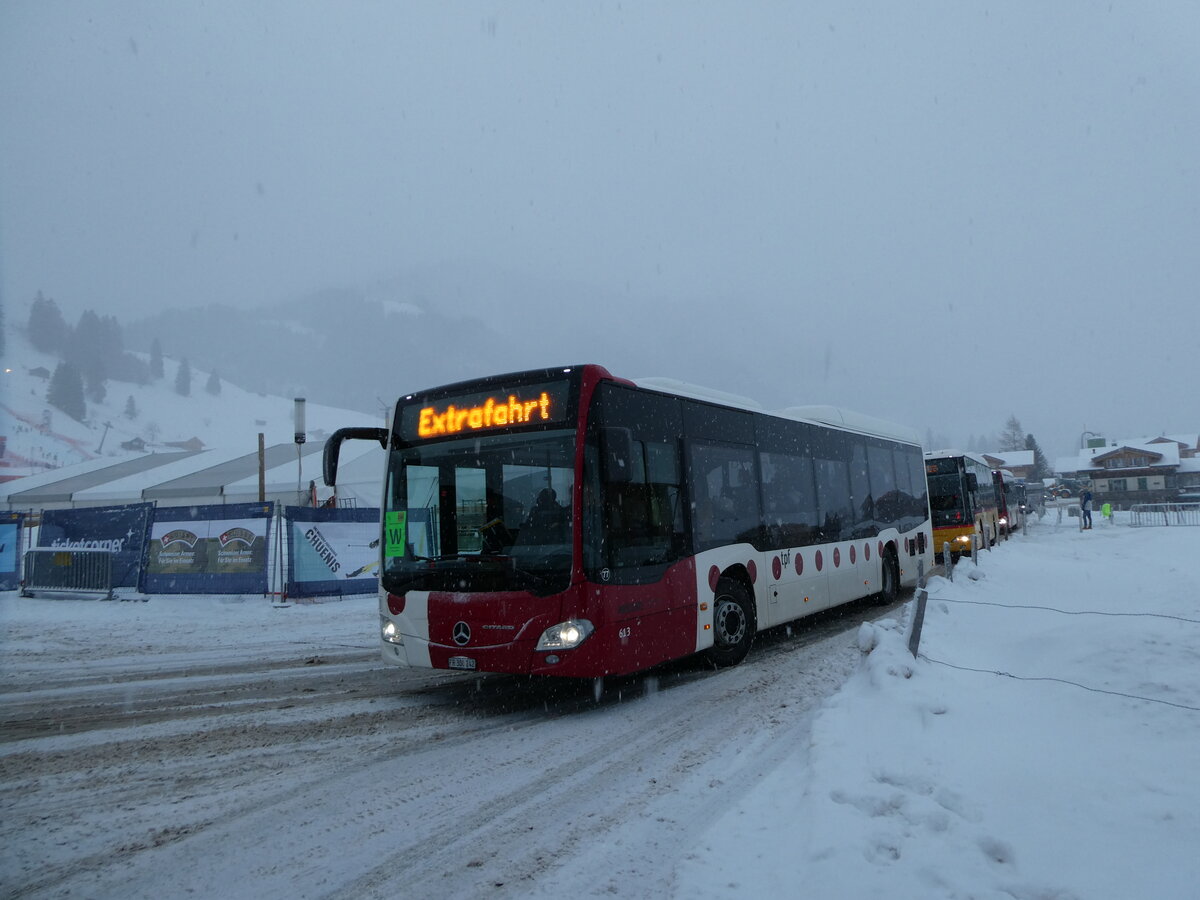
(733, 623)
(889, 589)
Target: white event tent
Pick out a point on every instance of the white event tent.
(184, 478)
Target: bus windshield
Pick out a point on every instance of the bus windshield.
(948, 500)
(488, 513)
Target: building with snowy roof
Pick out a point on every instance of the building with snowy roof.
(1019, 462)
(1137, 470)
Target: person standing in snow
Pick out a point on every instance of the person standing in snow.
(1085, 508)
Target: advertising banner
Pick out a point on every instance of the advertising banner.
(10, 550)
(331, 551)
(121, 529)
(208, 549)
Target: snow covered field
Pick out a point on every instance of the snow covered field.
(218, 746)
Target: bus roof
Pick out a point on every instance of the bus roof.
(825, 415)
(950, 452)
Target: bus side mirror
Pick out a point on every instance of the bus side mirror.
(972, 481)
(616, 453)
(333, 448)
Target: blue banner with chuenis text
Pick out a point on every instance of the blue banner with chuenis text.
(331, 551)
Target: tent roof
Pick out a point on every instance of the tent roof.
(183, 476)
(129, 488)
(212, 480)
(71, 479)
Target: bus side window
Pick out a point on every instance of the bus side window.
(790, 500)
(883, 486)
(643, 516)
(866, 518)
(726, 495)
(833, 498)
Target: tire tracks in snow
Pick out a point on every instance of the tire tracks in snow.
(355, 779)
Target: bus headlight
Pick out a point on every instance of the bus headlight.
(565, 635)
(963, 538)
(389, 632)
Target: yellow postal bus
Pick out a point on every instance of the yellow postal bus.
(962, 501)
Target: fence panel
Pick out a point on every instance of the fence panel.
(331, 551)
(69, 570)
(215, 549)
(1145, 514)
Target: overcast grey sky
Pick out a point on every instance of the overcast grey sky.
(904, 199)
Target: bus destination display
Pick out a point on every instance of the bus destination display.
(484, 411)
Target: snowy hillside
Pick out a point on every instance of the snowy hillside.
(40, 436)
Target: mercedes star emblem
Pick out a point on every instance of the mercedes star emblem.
(462, 633)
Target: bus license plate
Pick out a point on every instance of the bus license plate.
(462, 662)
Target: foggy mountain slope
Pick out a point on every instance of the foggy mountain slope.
(335, 346)
(40, 436)
(360, 347)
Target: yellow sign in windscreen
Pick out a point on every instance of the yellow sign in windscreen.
(484, 411)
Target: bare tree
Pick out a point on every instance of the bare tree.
(1013, 435)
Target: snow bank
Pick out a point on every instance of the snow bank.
(1043, 745)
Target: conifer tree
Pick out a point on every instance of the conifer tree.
(66, 391)
(131, 410)
(86, 350)
(213, 386)
(183, 379)
(156, 362)
(48, 330)
(1041, 466)
(94, 387)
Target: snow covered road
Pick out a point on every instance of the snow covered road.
(190, 745)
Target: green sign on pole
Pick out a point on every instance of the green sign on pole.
(394, 527)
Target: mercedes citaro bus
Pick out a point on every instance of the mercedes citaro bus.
(567, 522)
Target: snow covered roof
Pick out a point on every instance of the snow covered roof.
(128, 489)
(825, 415)
(1166, 454)
(1016, 458)
(50, 477)
(1191, 441)
(954, 451)
(80, 477)
(360, 475)
(210, 482)
(1091, 458)
(167, 478)
(844, 418)
(698, 392)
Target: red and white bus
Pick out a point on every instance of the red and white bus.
(567, 522)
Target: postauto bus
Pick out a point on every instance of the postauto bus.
(567, 522)
(963, 500)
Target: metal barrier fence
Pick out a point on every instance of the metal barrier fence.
(1164, 514)
(68, 570)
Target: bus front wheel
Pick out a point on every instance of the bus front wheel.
(733, 623)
